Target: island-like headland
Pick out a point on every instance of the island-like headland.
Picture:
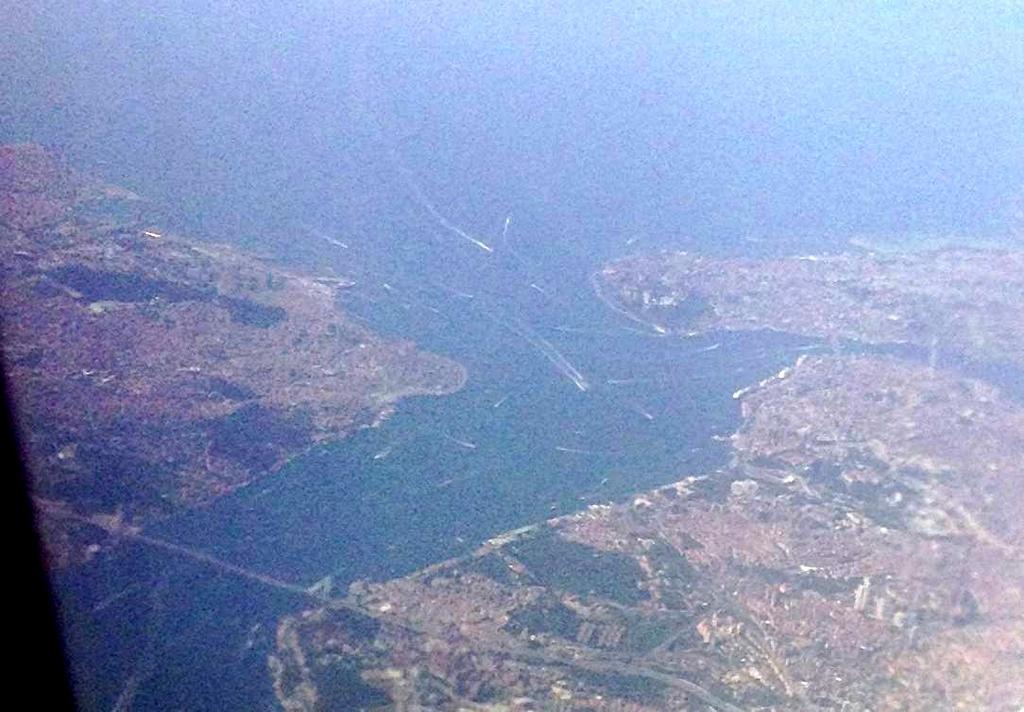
(965, 301)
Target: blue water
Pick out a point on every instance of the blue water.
(338, 511)
(599, 131)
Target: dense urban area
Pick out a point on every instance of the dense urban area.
(859, 552)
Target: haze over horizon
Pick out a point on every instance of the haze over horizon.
(672, 119)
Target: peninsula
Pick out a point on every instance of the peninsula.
(151, 372)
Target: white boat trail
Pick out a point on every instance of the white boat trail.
(645, 414)
(658, 331)
(336, 243)
(552, 354)
(588, 331)
(325, 237)
(462, 443)
(629, 381)
(452, 291)
(575, 450)
(109, 600)
(428, 205)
